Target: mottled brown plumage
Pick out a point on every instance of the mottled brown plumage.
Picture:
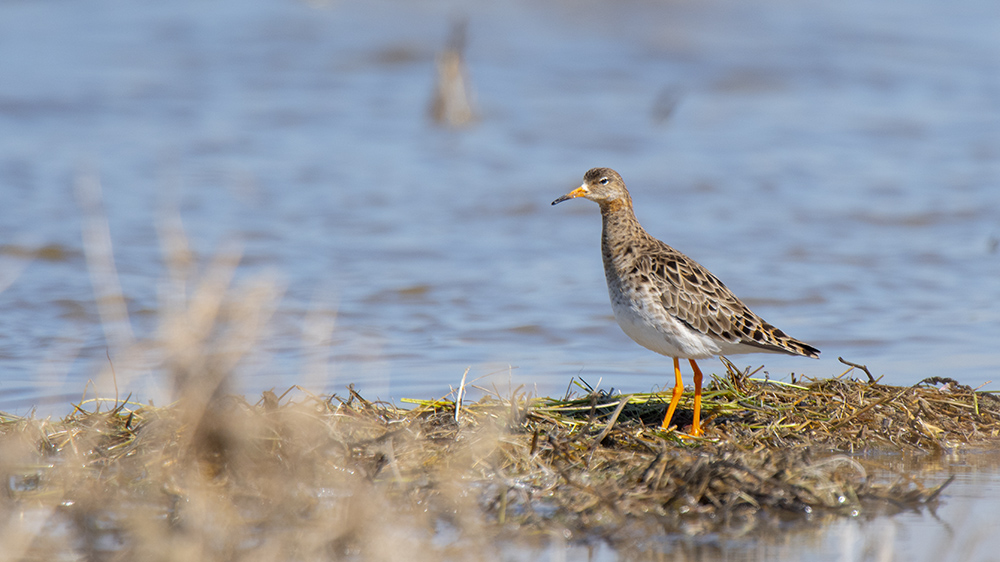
(666, 301)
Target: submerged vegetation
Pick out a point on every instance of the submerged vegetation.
(303, 476)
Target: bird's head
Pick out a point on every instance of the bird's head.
(601, 185)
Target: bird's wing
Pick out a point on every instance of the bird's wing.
(690, 293)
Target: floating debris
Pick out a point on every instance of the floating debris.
(453, 104)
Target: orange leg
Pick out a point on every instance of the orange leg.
(696, 424)
(678, 389)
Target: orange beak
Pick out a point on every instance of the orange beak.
(578, 192)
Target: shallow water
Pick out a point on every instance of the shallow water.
(837, 165)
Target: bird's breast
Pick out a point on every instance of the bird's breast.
(641, 316)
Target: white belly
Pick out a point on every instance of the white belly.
(650, 326)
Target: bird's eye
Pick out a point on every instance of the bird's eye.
(604, 181)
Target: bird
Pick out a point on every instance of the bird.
(666, 301)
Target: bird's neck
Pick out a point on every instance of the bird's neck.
(620, 229)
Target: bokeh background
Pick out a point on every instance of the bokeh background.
(836, 164)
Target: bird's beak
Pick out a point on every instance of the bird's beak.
(578, 192)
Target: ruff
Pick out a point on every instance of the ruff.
(666, 301)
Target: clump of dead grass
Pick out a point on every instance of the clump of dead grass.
(320, 477)
(840, 413)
